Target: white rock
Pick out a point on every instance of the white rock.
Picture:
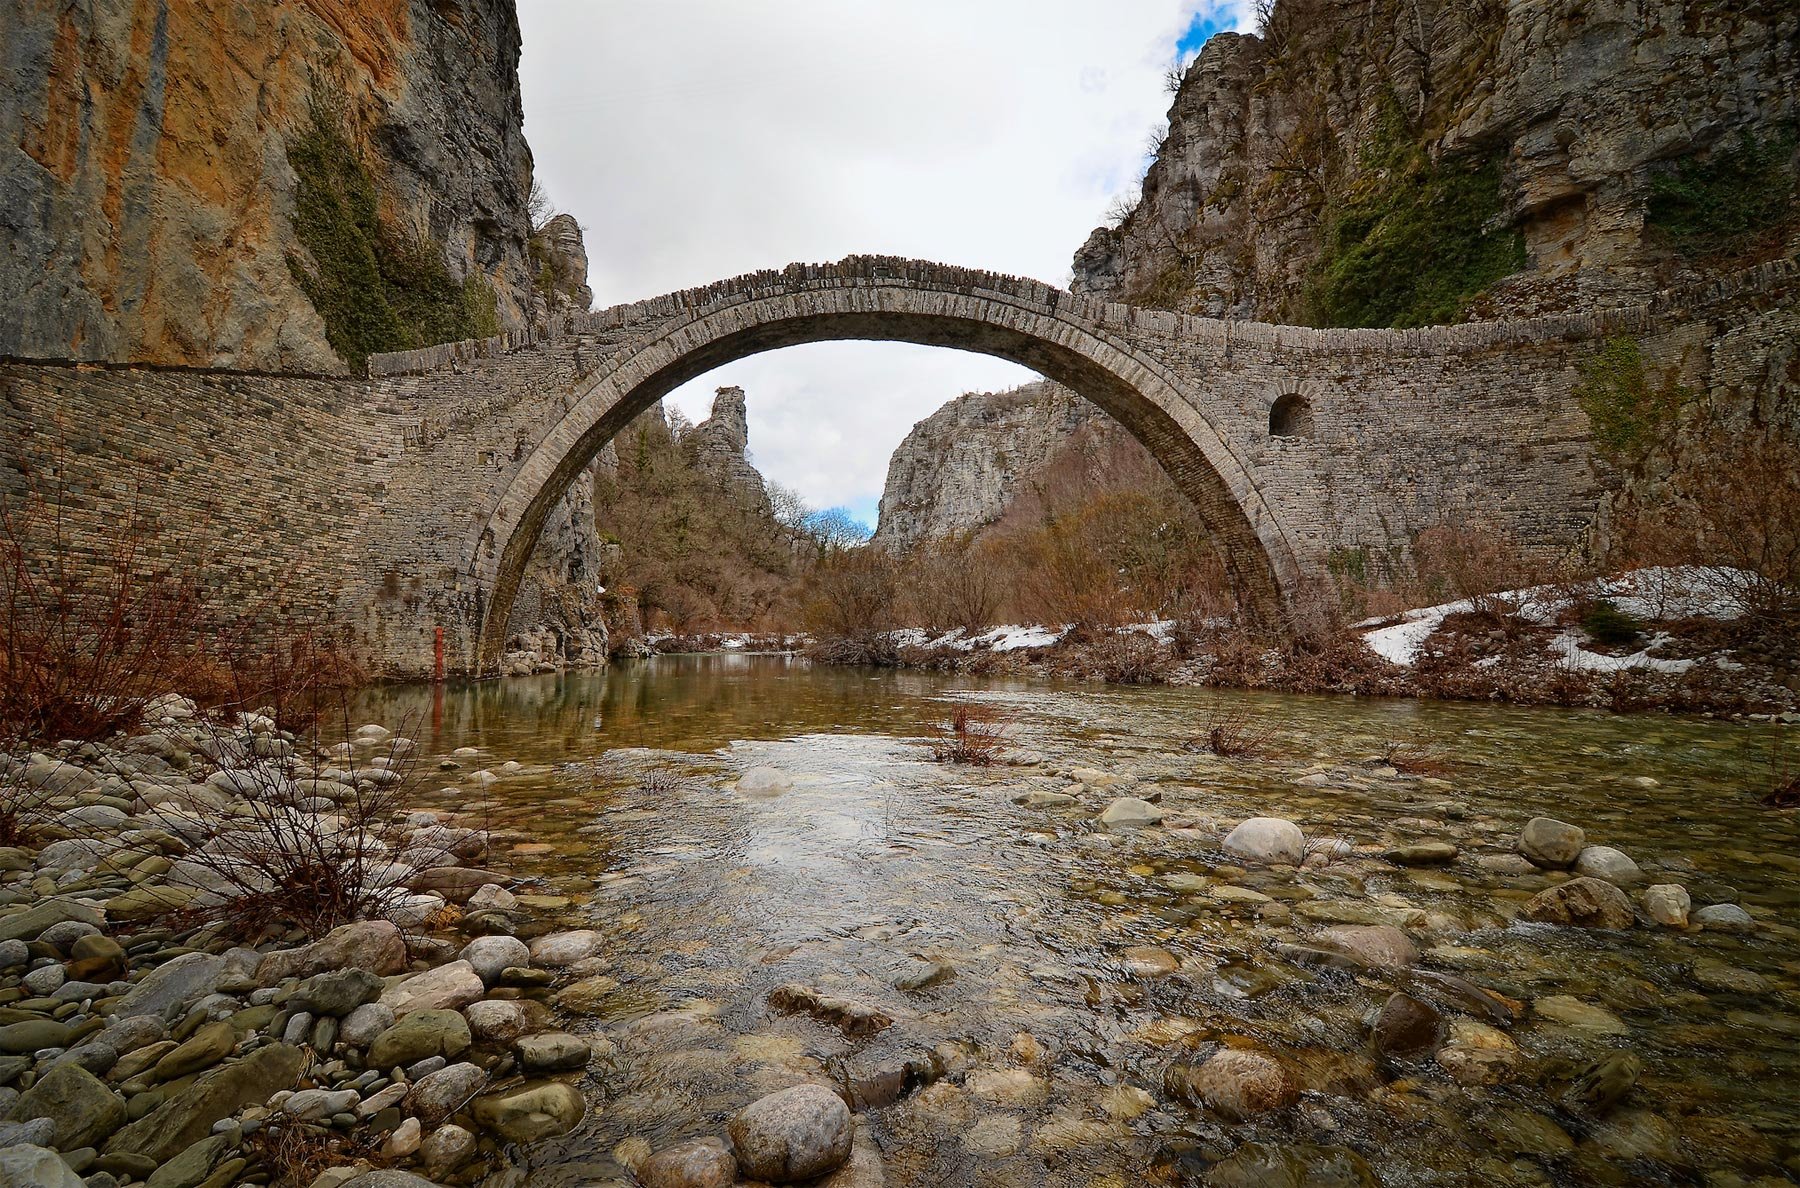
(1668, 904)
(1604, 862)
(491, 954)
(448, 987)
(764, 781)
(564, 948)
(1269, 840)
(1129, 812)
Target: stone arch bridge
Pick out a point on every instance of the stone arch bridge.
(410, 502)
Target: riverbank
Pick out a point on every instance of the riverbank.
(226, 958)
(1651, 640)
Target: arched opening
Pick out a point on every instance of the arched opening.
(1291, 416)
(1135, 391)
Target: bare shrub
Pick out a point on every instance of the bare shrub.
(1735, 515)
(86, 639)
(850, 605)
(953, 582)
(1415, 759)
(1469, 560)
(973, 734)
(303, 858)
(1784, 781)
(1233, 734)
(1126, 658)
(23, 800)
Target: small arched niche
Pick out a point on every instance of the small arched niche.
(1291, 416)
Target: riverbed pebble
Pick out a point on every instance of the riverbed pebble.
(1668, 904)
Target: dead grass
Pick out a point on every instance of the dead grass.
(1415, 759)
(1784, 780)
(973, 734)
(1234, 734)
(293, 1155)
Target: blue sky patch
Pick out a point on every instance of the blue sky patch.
(1203, 26)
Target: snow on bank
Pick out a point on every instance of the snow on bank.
(998, 639)
(1656, 594)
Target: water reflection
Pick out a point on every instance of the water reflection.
(1089, 964)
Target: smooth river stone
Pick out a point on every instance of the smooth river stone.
(1551, 843)
(792, 1135)
(1269, 840)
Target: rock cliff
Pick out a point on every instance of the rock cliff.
(259, 186)
(720, 448)
(1401, 162)
(959, 469)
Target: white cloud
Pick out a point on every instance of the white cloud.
(698, 139)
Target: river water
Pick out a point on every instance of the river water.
(1080, 969)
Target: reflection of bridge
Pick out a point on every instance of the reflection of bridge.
(1300, 447)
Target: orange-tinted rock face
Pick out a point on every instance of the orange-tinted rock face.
(145, 194)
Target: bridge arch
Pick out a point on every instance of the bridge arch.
(1022, 321)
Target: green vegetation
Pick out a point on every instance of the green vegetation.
(1414, 240)
(378, 287)
(1628, 414)
(1723, 203)
(1605, 623)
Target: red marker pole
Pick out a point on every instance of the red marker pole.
(438, 647)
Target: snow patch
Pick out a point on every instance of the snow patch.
(1655, 594)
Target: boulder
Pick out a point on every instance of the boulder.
(336, 993)
(361, 1026)
(791, 1135)
(205, 1048)
(1604, 862)
(174, 986)
(448, 987)
(497, 1021)
(29, 1166)
(446, 1148)
(564, 948)
(764, 781)
(189, 1116)
(1267, 840)
(83, 1110)
(1581, 903)
(1377, 946)
(533, 1111)
(436, 1096)
(1236, 1083)
(1725, 917)
(1550, 843)
(1406, 1025)
(1668, 904)
(374, 945)
(30, 923)
(553, 1051)
(488, 955)
(419, 1035)
(697, 1163)
(1477, 1054)
(1129, 812)
(1422, 854)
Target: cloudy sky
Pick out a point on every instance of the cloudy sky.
(698, 139)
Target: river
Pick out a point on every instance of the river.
(1080, 970)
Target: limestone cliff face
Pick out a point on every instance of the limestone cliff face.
(147, 199)
(720, 446)
(1393, 162)
(959, 468)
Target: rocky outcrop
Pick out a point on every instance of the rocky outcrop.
(1398, 162)
(959, 469)
(560, 283)
(720, 448)
(557, 620)
(154, 191)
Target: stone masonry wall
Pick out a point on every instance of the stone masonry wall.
(366, 499)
